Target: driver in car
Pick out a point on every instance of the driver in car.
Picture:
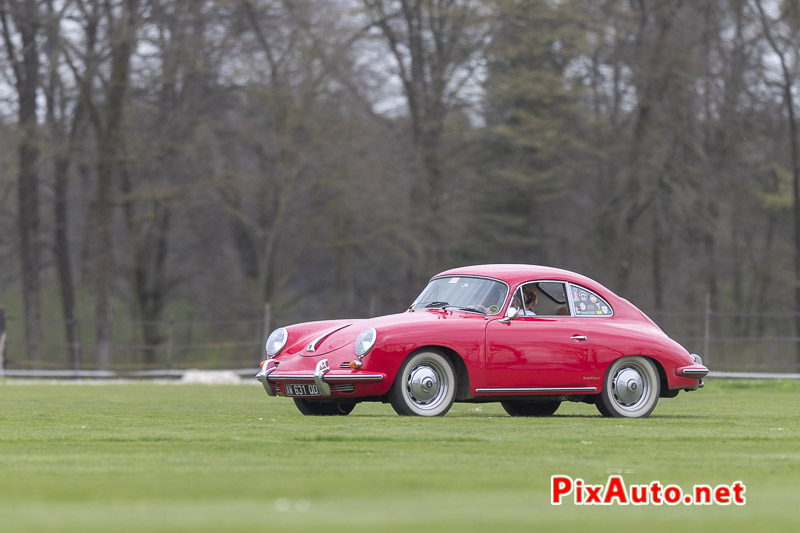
(531, 299)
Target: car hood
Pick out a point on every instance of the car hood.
(331, 335)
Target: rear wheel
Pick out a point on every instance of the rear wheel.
(425, 385)
(530, 408)
(316, 408)
(630, 389)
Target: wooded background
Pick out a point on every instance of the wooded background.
(237, 165)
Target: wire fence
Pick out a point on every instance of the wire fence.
(727, 341)
(737, 341)
(180, 344)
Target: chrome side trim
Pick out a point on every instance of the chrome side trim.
(319, 374)
(280, 378)
(537, 389)
(313, 345)
(357, 377)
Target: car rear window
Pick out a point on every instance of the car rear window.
(588, 303)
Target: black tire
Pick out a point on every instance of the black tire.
(530, 408)
(317, 408)
(630, 389)
(425, 385)
(600, 406)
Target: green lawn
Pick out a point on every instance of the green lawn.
(211, 458)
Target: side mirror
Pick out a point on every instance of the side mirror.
(511, 314)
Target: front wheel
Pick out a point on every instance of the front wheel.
(630, 389)
(316, 408)
(530, 408)
(425, 385)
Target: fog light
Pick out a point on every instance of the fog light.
(355, 364)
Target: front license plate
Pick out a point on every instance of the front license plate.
(301, 390)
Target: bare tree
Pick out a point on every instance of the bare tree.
(122, 23)
(66, 121)
(24, 17)
(781, 50)
(152, 186)
(436, 51)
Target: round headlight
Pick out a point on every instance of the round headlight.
(365, 341)
(276, 341)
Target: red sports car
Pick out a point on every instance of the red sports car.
(529, 337)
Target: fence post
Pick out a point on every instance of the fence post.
(2, 341)
(169, 341)
(707, 332)
(76, 341)
(266, 328)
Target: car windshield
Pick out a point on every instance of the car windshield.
(477, 295)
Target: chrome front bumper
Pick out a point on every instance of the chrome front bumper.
(322, 377)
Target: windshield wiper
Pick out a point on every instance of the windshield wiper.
(437, 304)
(462, 308)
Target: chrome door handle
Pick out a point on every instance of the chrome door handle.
(579, 338)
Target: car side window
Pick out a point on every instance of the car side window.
(588, 303)
(543, 298)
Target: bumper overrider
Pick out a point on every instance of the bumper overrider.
(322, 377)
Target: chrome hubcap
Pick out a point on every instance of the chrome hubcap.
(629, 388)
(425, 385)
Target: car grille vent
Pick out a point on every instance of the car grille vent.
(346, 364)
(343, 387)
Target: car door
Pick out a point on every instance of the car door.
(595, 316)
(546, 350)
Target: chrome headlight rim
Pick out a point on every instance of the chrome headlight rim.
(365, 341)
(276, 342)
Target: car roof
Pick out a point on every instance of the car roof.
(513, 274)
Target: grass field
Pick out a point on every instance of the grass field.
(147, 457)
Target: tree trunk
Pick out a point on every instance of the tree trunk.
(26, 70)
(788, 87)
(61, 249)
(108, 158)
(61, 246)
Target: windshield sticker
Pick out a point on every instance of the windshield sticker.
(454, 280)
